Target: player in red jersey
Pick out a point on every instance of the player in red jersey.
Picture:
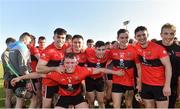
(156, 70)
(42, 44)
(35, 55)
(52, 58)
(96, 58)
(70, 81)
(124, 58)
(78, 48)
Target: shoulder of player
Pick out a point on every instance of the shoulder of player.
(90, 51)
(156, 45)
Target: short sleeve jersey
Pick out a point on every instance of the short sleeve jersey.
(54, 57)
(41, 51)
(33, 51)
(153, 72)
(93, 61)
(124, 59)
(81, 57)
(70, 84)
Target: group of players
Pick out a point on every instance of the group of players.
(80, 75)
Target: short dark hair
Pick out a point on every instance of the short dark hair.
(10, 40)
(60, 31)
(107, 43)
(77, 36)
(33, 38)
(70, 55)
(68, 36)
(121, 31)
(140, 28)
(113, 42)
(90, 41)
(131, 41)
(41, 38)
(99, 44)
(23, 35)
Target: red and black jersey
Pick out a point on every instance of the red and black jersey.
(93, 61)
(174, 54)
(54, 57)
(33, 51)
(70, 84)
(81, 58)
(153, 72)
(124, 59)
(41, 51)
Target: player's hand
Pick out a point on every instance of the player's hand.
(139, 86)
(166, 90)
(120, 73)
(60, 69)
(14, 81)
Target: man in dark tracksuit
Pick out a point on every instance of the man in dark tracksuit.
(17, 61)
(7, 75)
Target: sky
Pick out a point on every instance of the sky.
(95, 19)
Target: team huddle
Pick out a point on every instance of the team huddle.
(65, 74)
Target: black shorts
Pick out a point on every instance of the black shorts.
(97, 84)
(65, 101)
(49, 91)
(7, 84)
(120, 88)
(153, 92)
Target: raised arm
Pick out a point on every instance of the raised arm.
(42, 68)
(27, 76)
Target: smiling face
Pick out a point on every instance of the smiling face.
(167, 36)
(70, 64)
(59, 40)
(42, 43)
(141, 37)
(100, 51)
(77, 44)
(123, 39)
